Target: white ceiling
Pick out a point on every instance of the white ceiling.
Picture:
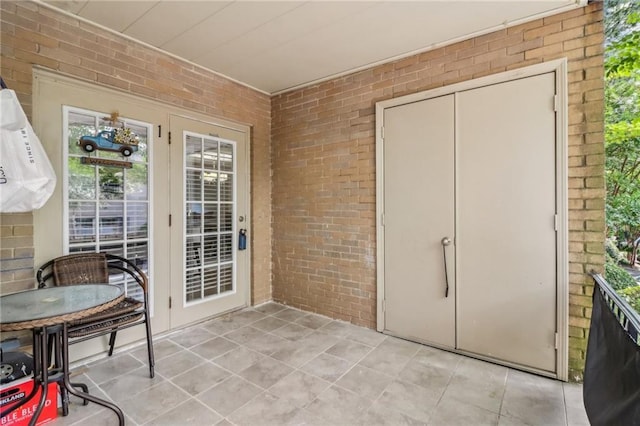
(277, 45)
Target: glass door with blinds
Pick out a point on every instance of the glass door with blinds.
(210, 206)
(209, 211)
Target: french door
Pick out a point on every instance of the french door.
(104, 205)
(209, 216)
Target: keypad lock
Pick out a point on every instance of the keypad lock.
(242, 239)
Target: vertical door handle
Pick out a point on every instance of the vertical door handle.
(445, 242)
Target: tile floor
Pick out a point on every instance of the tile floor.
(273, 365)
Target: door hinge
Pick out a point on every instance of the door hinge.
(557, 341)
(169, 220)
(169, 138)
(159, 131)
(555, 103)
(384, 305)
(382, 219)
(169, 302)
(555, 222)
(382, 132)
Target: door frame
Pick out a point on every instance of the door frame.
(559, 67)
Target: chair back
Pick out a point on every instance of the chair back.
(85, 268)
(88, 268)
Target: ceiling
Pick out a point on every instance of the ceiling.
(274, 46)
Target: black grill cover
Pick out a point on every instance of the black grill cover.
(611, 387)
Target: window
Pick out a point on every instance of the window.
(107, 209)
(210, 204)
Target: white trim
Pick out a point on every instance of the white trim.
(559, 67)
(65, 179)
(562, 206)
(247, 217)
(379, 214)
(456, 215)
(223, 124)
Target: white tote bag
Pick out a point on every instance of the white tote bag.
(27, 179)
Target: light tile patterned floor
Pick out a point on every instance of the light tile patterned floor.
(274, 365)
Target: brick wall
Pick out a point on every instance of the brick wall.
(323, 147)
(16, 251)
(31, 34)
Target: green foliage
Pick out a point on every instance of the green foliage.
(622, 122)
(617, 17)
(614, 253)
(624, 58)
(617, 277)
(632, 296)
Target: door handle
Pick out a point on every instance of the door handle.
(445, 242)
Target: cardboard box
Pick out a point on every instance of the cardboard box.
(20, 389)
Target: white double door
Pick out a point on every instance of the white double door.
(469, 212)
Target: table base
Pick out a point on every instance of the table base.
(46, 370)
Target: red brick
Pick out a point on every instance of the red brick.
(542, 31)
(553, 49)
(564, 35)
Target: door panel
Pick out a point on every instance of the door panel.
(146, 225)
(209, 187)
(506, 243)
(418, 213)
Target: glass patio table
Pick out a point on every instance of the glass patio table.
(46, 313)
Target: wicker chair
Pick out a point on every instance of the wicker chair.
(88, 268)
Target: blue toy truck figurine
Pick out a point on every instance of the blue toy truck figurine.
(116, 140)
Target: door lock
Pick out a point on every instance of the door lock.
(242, 239)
